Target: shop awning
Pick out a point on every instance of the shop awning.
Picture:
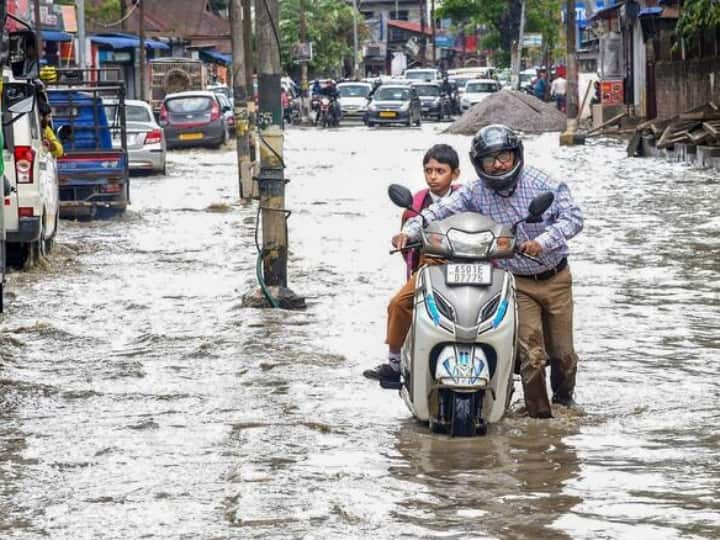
(606, 12)
(650, 11)
(127, 42)
(54, 35)
(216, 57)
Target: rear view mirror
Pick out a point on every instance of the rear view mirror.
(538, 205)
(400, 195)
(23, 54)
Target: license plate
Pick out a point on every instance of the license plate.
(468, 274)
(190, 136)
(388, 114)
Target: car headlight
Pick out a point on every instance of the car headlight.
(465, 244)
(465, 100)
(372, 107)
(405, 106)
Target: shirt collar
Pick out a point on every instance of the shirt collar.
(436, 198)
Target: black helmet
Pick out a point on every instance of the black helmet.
(489, 141)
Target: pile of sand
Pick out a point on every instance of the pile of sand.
(517, 110)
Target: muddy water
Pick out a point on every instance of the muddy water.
(139, 399)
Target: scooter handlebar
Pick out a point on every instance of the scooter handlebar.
(406, 248)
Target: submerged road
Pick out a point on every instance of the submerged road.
(139, 399)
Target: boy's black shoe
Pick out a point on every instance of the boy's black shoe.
(565, 401)
(383, 372)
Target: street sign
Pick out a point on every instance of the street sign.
(532, 40)
(445, 41)
(303, 52)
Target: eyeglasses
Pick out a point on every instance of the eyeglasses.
(504, 158)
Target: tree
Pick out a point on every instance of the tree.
(329, 25)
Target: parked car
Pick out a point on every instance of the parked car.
(394, 104)
(423, 74)
(221, 89)
(354, 98)
(227, 110)
(432, 100)
(193, 118)
(145, 138)
(477, 90)
(31, 204)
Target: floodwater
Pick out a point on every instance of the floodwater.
(139, 399)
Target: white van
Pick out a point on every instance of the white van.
(32, 203)
(476, 72)
(422, 74)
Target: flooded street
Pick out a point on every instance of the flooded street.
(139, 399)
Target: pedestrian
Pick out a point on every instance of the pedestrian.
(48, 135)
(558, 88)
(441, 167)
(540, 85)
(503, 191)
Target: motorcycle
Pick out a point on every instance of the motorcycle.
(458, 359)
(327, 115)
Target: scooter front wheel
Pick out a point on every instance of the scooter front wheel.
(465, 415)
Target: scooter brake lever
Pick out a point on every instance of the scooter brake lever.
(406, 248)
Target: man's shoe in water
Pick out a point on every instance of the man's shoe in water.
(384, 372)
(565, 401)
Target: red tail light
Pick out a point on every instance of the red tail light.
(26, 211)
(163, 113)
(153, 137)
(24, 159)
(215, 111)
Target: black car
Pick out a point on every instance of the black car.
(394, 104)
(434, 103)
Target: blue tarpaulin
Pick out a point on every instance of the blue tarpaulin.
(54, 35)
(126, 41)
(218, 57)
(649, 11)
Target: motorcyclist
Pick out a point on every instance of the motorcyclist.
(544, 287)
(331, 92)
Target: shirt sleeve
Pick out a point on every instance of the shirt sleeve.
(460, 201)
(567, 221)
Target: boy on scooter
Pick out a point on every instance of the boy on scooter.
(543, 281)
(441, 166)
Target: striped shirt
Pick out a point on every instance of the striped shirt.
(560, 223)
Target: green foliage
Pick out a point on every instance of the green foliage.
(105, 12)
(696, 16)
(329, 26)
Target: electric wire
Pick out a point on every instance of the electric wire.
(122, 20)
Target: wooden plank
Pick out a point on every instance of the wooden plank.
(582, 106)
(698, 136)
(614, 120)
(665, 138)
(700, 116)
(712, 127)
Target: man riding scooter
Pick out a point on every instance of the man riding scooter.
(542, 277)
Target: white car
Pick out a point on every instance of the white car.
(32, 200)
(354, 98)
(476, 90)
(146, 146)
(423, 74)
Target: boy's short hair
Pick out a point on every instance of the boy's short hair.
(443, 153)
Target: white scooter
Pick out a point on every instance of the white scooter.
(458, 359)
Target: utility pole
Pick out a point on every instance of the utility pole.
(423, 39)
(432, 23)
(517, 57)
(123, 13)
(569, 137)
(355, 41)
(304, 110)
(242, 126)
(271, 178)
(81, 33)
(247, 22)
(38, 35)
(143, 52)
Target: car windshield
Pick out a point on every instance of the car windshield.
(460, 81)
(480, 87)
(355, 90)
(188, 104)
(392, 94)
(425, 75)
(134, 113)
(427, 90)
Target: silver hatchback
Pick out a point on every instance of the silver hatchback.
(193, 118)
(145, 138)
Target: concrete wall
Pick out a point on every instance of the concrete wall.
(683, 85)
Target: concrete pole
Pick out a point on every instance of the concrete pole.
(143, 51)
(356, 71)
(517, 57)
(242, 139)
(569, 137)
(82, 63)
(304, 108)
(432, 25)
(247, 19)
(423, 39)
(271, 141)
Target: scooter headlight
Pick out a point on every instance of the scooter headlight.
(459, 365)
(465, 244)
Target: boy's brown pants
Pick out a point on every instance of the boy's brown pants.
(545, 310)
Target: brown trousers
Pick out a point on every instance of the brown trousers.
(546, 331)
(545, 310)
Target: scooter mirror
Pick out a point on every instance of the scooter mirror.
(400, 195)
(538, 205)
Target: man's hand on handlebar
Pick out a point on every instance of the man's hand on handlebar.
(531, 247)
(399, 241)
